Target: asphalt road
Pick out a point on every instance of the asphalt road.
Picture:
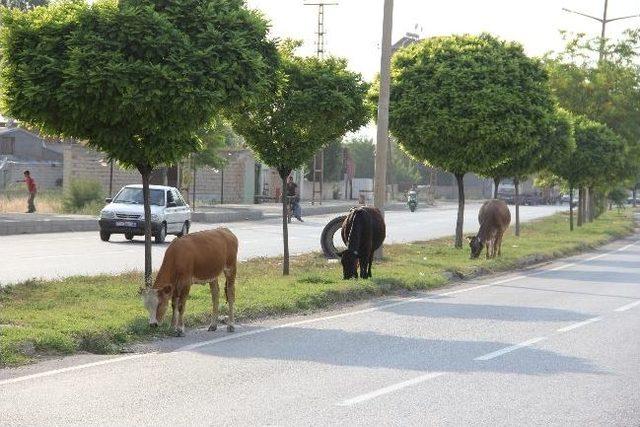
(60, 255)
(556, 345)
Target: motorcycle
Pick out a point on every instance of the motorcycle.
(412, 200)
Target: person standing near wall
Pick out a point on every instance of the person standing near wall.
(31, 186)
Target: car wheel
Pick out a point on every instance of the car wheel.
(105, 236)
(185, 230)
(128, 236)
(162, 233)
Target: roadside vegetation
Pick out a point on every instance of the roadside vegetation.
(103, 314)
(15, 201)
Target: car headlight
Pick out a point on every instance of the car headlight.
(107, 214)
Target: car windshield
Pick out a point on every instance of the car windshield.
(134, 196)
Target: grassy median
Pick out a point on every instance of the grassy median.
(102, 314)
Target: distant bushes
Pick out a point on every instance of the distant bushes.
(83, 197)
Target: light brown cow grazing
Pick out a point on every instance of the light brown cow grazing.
(195, 258)
(494, 218)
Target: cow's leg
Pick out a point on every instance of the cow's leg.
(364, 266)
(215, 303)
(182, 302)
(499, 244)
(370, 263)
(175, 301)
(230, 294)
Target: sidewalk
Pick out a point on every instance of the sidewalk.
(22, 223)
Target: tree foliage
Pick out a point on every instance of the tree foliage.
(310, 103)
(607, 91)
(23, 4)
(136, 79)
(466, 103)
(599, 155)
(362, 152)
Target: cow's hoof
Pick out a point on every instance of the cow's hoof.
(213, 328)
(231, 328)
(180, 333)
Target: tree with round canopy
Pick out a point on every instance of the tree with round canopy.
(311, 102)
(466, 103)
(135, 79)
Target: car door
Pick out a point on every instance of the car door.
(183, 210)
(171, 213)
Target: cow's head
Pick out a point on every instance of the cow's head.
(349, 260)
(476, 246)
(156, 301)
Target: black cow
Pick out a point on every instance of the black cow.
(363, 231)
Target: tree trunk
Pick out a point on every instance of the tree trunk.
(193, 203)
(146, 174)
(592, 204)
(570, 208)
(496, 184)
(285, 227)
(460, 221)
(635, 193)
(580, 206)
(516, 184)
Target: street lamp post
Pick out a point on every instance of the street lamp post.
(382, 139)
(603, 21)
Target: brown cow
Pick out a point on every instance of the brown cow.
(195, 258)
(494, 218)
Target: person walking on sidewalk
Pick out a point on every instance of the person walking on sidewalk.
(31, 186)
(292, 193)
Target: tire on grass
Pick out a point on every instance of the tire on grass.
(326, 238)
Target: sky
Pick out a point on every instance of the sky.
(354, 27)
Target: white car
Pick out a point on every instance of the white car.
(124, 214)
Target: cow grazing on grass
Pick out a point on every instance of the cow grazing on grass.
(494, 218)
(363, 231)
(195, 258)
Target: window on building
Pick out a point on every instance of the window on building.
(7, 145)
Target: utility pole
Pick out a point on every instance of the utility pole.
(603, 21)
(317, 174)
(382, 138)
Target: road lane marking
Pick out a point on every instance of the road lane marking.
(627, 307)
(459, 291)
(580, 324)
(510, 279)
(390, 389)
(506, 350)
(72, 368)
(562, 267)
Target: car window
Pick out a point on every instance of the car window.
(133, 196)
(177, 197)
(169, 197)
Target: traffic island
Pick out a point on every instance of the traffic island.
(104, 314)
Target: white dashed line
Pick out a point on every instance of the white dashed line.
(390, 389)
(579, 324)
(510, 279)
(562, 267)
(459, 291)
(506, 350)
(627, 307)
(72, 368)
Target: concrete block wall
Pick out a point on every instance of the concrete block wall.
(48, 175)
(83, 163)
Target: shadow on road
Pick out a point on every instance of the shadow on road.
(601, 277)
(373, 350)
(483, 311)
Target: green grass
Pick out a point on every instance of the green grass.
(102, 314)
